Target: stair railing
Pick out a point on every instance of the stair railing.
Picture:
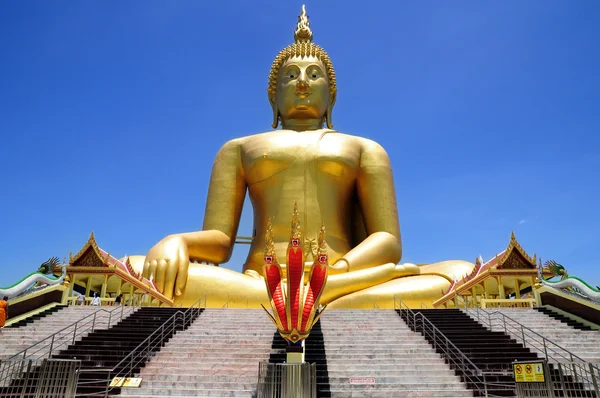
(58, 340)
(226, 305)
(143, 352)
(583, 371)
(472, 374)
(68, 335)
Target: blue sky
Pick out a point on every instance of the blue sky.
(111, 114)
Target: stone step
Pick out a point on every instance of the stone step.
(158, 393)
(401, 393)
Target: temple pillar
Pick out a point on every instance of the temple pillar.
(131, 294)
(104, 285)
(517, 289)
(474, 295)
(88, 286)
(501, 288)
(120, 286)
(73, 280)
(532, 281)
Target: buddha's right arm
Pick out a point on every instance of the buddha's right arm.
(226, 194)
(168, 261)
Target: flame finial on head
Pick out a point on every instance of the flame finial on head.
(303, 32)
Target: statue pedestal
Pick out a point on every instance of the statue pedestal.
(287, 380)
(295, 353)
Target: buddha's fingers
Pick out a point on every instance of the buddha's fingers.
(160, 276)
(151, 267)
(182, 271)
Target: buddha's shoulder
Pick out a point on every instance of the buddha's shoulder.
(277, 135)
(365, 144)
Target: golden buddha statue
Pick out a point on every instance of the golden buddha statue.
(340, 181)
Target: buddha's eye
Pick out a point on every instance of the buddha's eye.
(314, 73)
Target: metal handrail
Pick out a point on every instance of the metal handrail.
(76, 327)
(523, 329)
(550, 350)
(226, 305)
(471, 372)
(144, 350)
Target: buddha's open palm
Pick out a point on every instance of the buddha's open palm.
(167, 265)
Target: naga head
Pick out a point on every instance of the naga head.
(293, 302)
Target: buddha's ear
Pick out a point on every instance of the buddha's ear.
(328, 118)
(273, 102)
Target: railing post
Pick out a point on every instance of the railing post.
(545, 349)
(109, 318)
(51, 346)
(594, 380)
(107, 384)
(74, 334)
(94, 321)
(26, 381)
(485, 391)
(523, 335)
(131, 366)
(573, 366)
(504, 320)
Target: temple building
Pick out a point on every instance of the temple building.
(506, 280)
(93, 269)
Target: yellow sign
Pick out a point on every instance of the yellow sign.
(532, 372)
(117, 382)
(132, 382)
(538, 372)
(518, 370)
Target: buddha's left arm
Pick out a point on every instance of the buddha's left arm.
(377, 198)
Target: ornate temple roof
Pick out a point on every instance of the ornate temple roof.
(92, 259)
(512, 260)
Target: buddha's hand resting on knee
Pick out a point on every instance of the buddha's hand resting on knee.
(167, 265)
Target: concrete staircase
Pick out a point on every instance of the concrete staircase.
(217, 356)
(372, 353)
(14, 340)
(581, 341)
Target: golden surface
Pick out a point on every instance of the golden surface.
(339, 180)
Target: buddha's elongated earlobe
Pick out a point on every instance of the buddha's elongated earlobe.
(275, 115)
(328, 118)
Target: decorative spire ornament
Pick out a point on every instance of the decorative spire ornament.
(294, 308)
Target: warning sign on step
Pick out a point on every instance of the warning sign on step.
(529, 372)
(362, 380)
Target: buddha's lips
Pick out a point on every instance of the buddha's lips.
(303, 94)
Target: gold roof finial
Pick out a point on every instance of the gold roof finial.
(303, 34)
(322, 249)
(295, 223)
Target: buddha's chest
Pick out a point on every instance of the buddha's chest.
(300, 155)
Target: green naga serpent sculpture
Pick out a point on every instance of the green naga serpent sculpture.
(42, 275)
(566, 282)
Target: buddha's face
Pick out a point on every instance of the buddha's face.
(302, 89)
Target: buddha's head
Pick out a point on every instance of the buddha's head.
(302, 81)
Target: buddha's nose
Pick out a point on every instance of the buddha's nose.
(302, 85)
